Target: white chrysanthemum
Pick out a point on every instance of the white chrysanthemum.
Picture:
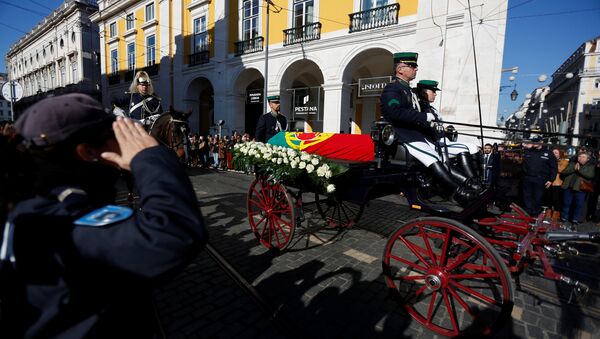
(285, 161)
(279, 161)
(293, 164)
(304, 157)
(274, 160)
(328, 174)
(310, 168)
(321, 171)
(257, 156)
(330, 188)
(301, 165)
(315, 161)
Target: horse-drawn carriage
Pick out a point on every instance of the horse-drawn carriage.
(451, 274)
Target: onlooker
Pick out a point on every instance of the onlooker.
(577, 171)
(76, 265)
(554, 195)
(539, 171)
(491, 166)
(593, 197)
(202, 151)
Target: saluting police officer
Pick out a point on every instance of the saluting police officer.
(78, 266)
(539, 171)
(141, 101)
(271, 122)
(400, 106)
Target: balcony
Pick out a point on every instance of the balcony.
(199, 58)
(249, 46)
(151, 70)
(114, 79)
(302, 34)
(374, 18)
(129, 75)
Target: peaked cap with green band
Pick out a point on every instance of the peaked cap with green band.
(428, 84)
(406, 57)
(273, 98)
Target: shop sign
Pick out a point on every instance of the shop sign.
(254, 96)
(372, 87)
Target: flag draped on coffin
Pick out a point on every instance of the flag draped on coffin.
(353, 147)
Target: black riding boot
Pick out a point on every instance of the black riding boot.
(463, 179)
(460, 192)
(467, 162)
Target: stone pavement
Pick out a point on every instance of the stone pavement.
(328, 284)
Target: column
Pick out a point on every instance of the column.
(336, 107)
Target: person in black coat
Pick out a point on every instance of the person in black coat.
(400, 107)
(271, 122)
(77, 265)
(490, 162)
(539, 171)
(140, 102)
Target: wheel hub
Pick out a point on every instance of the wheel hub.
(433, 282)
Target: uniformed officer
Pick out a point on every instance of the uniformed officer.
(271, 122)
(400, 106)
(465, 153)
(539, 170)
(79, 266)
(140, 101)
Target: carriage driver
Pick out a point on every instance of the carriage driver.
(466, 153)
(400, 107)
(141, 99)
(271, 122)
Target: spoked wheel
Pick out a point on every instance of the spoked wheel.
(448, 277)
(271, 213)
(339, 213)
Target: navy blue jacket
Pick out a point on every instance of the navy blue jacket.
(266, 127)
(539, 165)
(131, 103)
(397, 108)
(96, 282)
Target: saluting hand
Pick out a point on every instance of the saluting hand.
(132, 139)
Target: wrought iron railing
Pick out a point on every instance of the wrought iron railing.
(151, 70)
(199, 58)
(114, 79)
(249, 46)
(301, 34)
(374, 18)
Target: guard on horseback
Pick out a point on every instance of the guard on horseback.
(414, 128)
(140, 100)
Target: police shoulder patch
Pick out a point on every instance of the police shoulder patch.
(105, 216)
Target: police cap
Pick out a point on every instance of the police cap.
(535, 139)
(55, 119)
(428, 84)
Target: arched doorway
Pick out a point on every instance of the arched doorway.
(250, 86)
(371, 65)
(200, 99)
(302, 96)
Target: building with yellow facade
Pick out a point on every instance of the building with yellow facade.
(328, 59)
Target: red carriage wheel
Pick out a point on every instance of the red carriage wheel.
(461, 286)
(271, 213)
(339, 213)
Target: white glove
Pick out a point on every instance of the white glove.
(430, 117)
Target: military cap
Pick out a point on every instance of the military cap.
(55, 119)
(273, 98)
(428, 84)
(142, 80)
(409, 58)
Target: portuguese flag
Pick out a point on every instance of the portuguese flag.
(353, 147)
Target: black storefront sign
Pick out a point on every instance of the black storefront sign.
(306, 103)
(372, 87)
(254, 96)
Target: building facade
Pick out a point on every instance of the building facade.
(327, 59)
(59, 55)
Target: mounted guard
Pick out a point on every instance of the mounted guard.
(140, 100)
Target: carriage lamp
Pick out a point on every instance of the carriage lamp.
(451, 133)
(382, 134)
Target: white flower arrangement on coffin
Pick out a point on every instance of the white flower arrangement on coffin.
(287, 165)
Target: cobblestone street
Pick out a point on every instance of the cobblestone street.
(329, 283)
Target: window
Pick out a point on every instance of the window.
(150, 50)
(131, 56)
(303, 12)
(74, 76)
(370, 4)
(597, 83)
(250, 20)
(73, 37)
(149, 12)
(113, 30)
(52, 77)
(114, 61)
(200, 36)
(130, 22)
(63, 74)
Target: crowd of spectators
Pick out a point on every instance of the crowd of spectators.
(213, 151)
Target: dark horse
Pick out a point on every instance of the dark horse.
(171, 129)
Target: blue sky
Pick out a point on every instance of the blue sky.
(540, 35)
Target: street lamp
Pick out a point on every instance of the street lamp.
(513, 95)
